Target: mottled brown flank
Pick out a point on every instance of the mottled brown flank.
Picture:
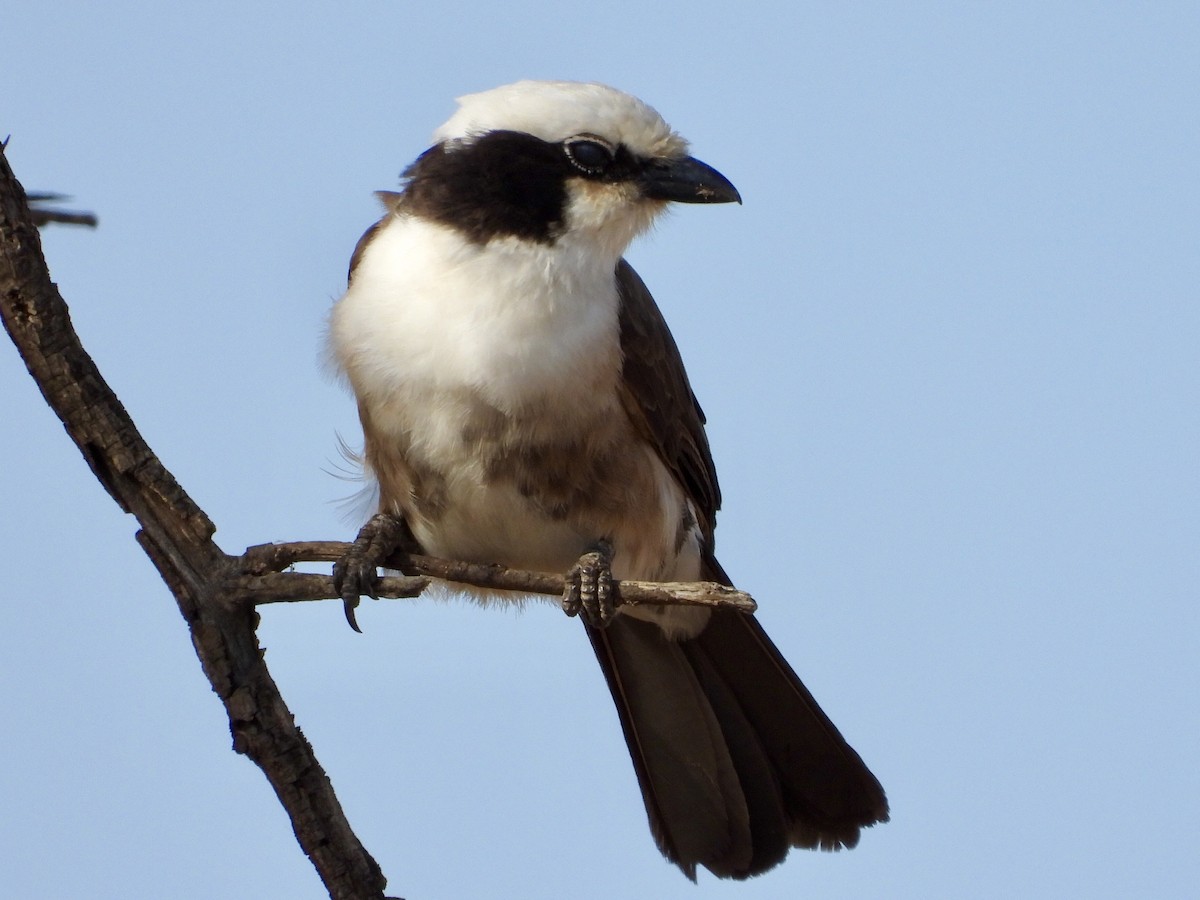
(590, 471)
(686, 523)
(484, 425)
(429, 491)
(404, 485)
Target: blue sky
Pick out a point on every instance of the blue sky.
(947, 349)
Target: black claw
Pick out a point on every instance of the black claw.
(349, 607)
(570, 600)
(356, 573)
(348, 581)
(353, 578)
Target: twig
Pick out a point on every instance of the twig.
(44, 215)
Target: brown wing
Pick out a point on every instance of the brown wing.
(659, 400)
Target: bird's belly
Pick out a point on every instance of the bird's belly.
(495, 523)
(537, 488)
(508, 521)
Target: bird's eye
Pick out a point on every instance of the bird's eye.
(588, 155)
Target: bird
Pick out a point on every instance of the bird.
(523, 403)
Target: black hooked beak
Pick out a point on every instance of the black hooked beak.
(686, 180)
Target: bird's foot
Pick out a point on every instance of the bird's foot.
(356, 573)
(590, 587)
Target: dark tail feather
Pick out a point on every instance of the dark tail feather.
(829, 794)
(688, 779)
(735, 760)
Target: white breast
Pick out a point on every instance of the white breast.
(514, 320)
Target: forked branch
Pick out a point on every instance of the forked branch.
(177, 536)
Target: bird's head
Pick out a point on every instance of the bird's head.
(551, 160)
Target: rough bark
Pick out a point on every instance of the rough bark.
(177, 536)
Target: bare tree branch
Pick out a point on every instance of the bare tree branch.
(177, 536)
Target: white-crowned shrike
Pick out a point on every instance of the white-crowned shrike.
(523, 403)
